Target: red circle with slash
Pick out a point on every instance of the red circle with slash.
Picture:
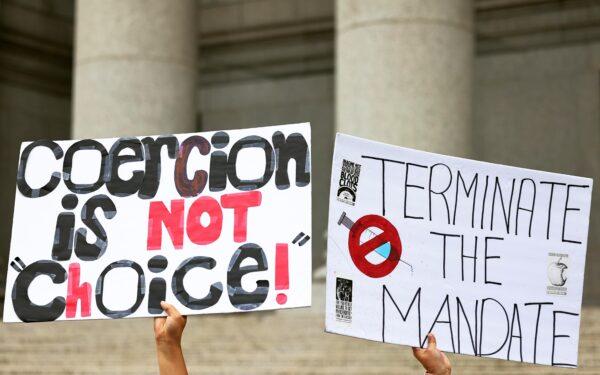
(359, 251)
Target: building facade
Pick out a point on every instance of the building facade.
(505, 81)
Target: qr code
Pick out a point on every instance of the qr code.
(343, 300)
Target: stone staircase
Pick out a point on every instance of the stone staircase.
(282, 342)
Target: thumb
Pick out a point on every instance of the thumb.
(431, 342)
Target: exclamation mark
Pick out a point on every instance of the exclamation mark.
(282, 275)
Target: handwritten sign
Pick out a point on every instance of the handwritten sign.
(489, 258)
(211, 222)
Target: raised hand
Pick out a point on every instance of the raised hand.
(167, 333)
(169, 329)
(433, 360)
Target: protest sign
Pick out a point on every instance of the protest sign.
(489, 258)
(211, 222)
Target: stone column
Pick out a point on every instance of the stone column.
(404, 72)
(135, 67)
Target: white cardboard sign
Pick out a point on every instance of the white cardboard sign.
(489, 258)
(212, 222)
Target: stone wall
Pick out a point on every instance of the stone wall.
(35, 87)
(540, 109)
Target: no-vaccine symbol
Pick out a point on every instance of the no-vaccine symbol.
(387, 244)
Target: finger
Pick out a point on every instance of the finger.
(170, 309)
(431, 342)
(417, 352)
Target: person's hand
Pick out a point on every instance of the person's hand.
(434, 360)
(168, 330)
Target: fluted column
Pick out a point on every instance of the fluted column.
(135, 67)
(404, 72)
